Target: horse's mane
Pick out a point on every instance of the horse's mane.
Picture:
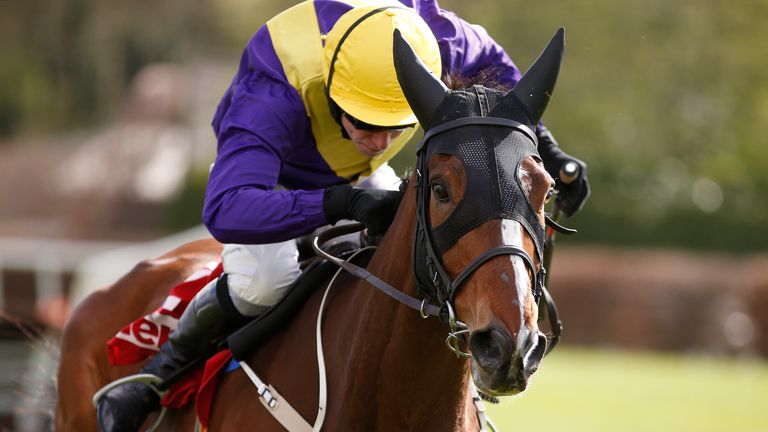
(487, 77)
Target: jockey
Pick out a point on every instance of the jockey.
(314, 108)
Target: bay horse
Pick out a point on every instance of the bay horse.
(467, 239)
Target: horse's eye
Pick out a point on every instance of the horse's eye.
(550, 194)
(440, 192)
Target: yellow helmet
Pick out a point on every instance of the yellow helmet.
(359, 71)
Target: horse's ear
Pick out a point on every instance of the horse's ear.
(424, 91)
(535, 87)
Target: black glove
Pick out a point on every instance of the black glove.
(375, 208)
(572, 192)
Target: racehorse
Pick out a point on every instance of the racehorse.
(466, 244)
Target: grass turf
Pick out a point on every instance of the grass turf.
(600, 390)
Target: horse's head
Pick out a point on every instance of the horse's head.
(481, 189)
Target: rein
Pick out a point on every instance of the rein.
(361, 273)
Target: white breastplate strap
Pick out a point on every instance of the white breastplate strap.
(276, 404)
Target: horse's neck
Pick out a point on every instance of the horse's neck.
(399, 359)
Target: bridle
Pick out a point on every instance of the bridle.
(432, 279)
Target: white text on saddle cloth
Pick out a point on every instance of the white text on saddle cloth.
(148, 332)
(142, 338)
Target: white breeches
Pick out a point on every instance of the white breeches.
(259, 275)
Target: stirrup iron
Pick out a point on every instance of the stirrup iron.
(150, 380)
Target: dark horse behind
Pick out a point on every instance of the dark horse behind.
(465, 245)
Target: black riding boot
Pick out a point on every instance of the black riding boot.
(125, 408)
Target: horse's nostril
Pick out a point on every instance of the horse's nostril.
(491, 348)
(534, 352)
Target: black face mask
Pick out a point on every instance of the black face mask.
(471, 125)
(492, 156)
(492, 134)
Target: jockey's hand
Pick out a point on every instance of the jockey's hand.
(375, 208)
(573, 190)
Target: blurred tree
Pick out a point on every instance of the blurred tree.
(68, 63)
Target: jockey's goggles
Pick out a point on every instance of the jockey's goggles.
(359, 124)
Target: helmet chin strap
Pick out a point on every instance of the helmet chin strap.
(336, 114)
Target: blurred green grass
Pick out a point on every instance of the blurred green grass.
(601, 390)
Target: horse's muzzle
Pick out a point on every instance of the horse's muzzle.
(498, 367)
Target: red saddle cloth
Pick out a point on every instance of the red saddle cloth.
(142, 338)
